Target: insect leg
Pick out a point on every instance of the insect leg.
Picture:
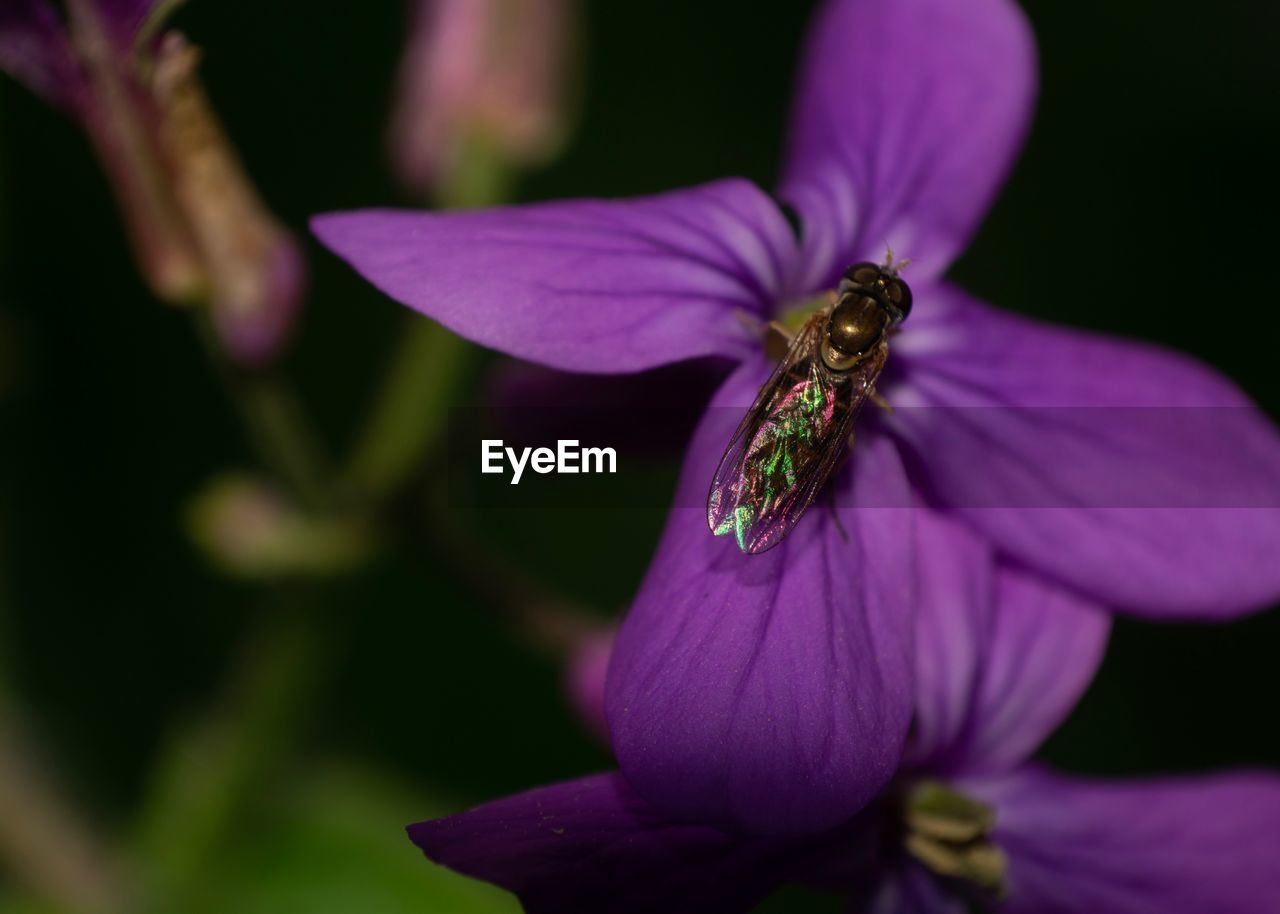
(880, 401)
(780, 329)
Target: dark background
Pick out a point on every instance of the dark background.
(1145, 205)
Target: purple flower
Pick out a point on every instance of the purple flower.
(1002, 656)
(198, 229)
(773, 692)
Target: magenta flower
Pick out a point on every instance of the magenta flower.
(1002, 657)
(198, 229)
(773, 693)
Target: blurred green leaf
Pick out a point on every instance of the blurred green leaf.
(219, 765)
(334, 843)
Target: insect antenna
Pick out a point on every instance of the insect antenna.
(889, 265)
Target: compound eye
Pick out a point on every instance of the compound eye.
(900, 294)
(861, 274)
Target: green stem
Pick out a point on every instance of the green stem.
(483, 177)
(412, 408)
(410, 413)
(283, 438)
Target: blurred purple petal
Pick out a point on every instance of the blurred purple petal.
(769, 692)
(34, 50)
(1042, 651)
(908, 115)
(588, 285)
(258, 293)
(910, 889)
(591, 846)
(956, 594)
(1139, 475)
(584, 681)
(1174, 846)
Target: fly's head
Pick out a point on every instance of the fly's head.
(871, 301)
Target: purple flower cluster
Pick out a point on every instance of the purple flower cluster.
(1001, 659)
(856, 708)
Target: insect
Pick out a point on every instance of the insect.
(792, 437)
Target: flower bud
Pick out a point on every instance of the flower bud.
(248, 529)
(481, 78)
(255, 267)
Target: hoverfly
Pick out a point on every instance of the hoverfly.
(792, 437)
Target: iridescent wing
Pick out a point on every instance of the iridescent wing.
(789, 443)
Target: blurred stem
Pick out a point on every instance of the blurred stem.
(205, 775)
(275, 423)
(274, 417)
(43, 840)
(482, 177)
(412, 408)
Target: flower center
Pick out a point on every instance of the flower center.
(950, 834)
(794, 314)
(791, 318)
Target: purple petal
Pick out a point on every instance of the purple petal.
(1002, 655)
(910, 889)
(1040, 654)
(769, 692)
(955, 615)
(1137, 475)
(1169, 846)
(907, 117)
(34, 50)
(591, 846)
(588, 285)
